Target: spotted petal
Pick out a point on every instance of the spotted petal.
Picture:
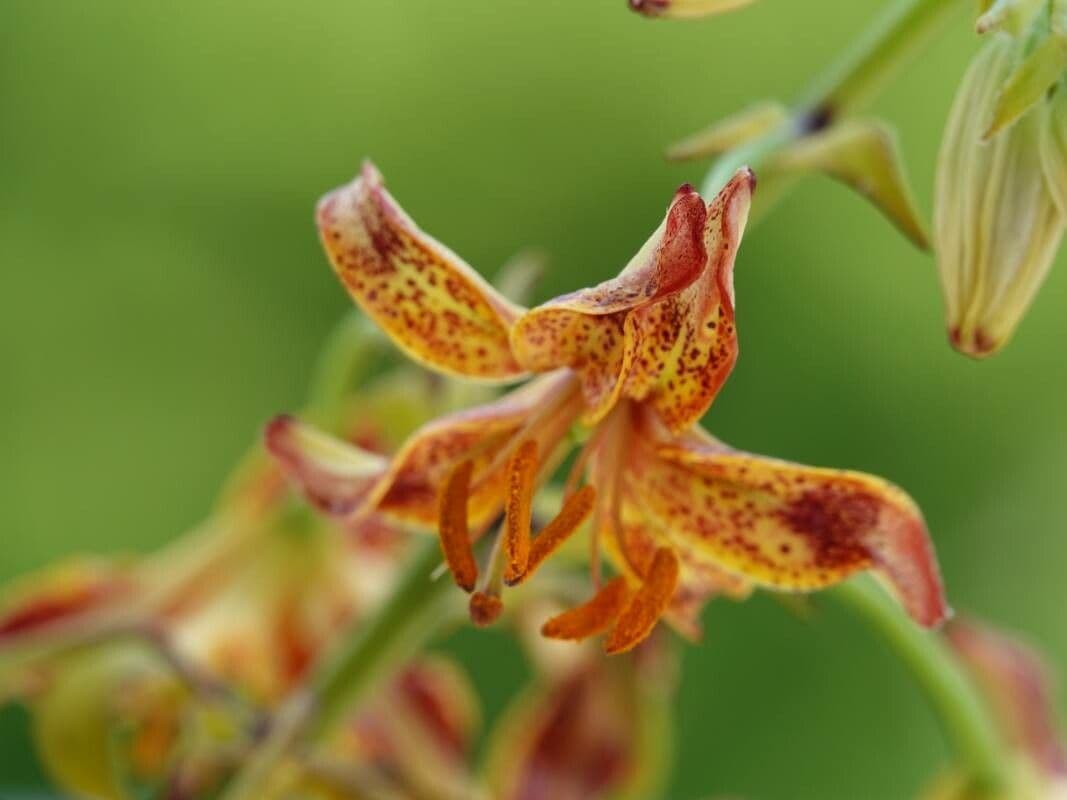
(786, 526)
(630, 537)
(487, 435)
(433, 305)
(663, 330)
(334, 474)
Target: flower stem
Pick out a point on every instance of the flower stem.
(950, 692)
(397, 631)
(415, 610)
(903, 29)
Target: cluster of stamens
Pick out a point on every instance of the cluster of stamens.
(517, 554)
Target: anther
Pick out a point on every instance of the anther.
(575, 511)
(485, 608)
(593, 616)
(648, 605)
(518, 510)
(453, 529)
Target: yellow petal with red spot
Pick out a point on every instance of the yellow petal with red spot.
(60, 594)
(630, 537)
(334, 475)
(663, 329)
(487, 435)
(787, 526)
(432, 304)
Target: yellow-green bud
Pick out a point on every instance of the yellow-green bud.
(997, 225)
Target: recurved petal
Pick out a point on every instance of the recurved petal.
(60, 594)
(787, 526)
(663, 329)
(334, 475)
(1019, 687)
(487, 435)
(587, 330)
(433, 305)
(687, 342)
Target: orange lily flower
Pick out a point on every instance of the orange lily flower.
(635, 362)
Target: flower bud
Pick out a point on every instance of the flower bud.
(685, 9)
(997, 225)
(109, 721)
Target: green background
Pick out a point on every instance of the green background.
(164, 294)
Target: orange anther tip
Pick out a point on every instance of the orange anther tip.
(647, 606)
(485, 609)
(591, 617)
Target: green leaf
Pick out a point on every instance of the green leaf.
(863, 155)
(727, 134)
(1029, 83)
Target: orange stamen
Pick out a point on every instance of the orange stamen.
(575, 511)
(453, 530)
(518, 510)
(593, 616)
(648, 605)
(485, 608)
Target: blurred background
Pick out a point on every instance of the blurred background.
(164, 295)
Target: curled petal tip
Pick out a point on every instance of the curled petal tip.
(333, 474)
(369, 173)
(432, 304)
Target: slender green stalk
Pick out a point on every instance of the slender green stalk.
(848, 85)
(350, 355)
(950, 692)
(905, 28)
(417, 607)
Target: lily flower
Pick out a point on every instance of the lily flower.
(628, 367)
(586, 727)
(1017, 684)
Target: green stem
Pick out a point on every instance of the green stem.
(415, 610)
(349, 355)
(950, 692)
(397, 631)
(903, 30)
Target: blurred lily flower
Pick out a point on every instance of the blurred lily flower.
(629, 367)
(586, 728)
(108, 722)
(685, 9)
(243, 606)
(414, 739)
(1000, 196)
(1017, 685)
